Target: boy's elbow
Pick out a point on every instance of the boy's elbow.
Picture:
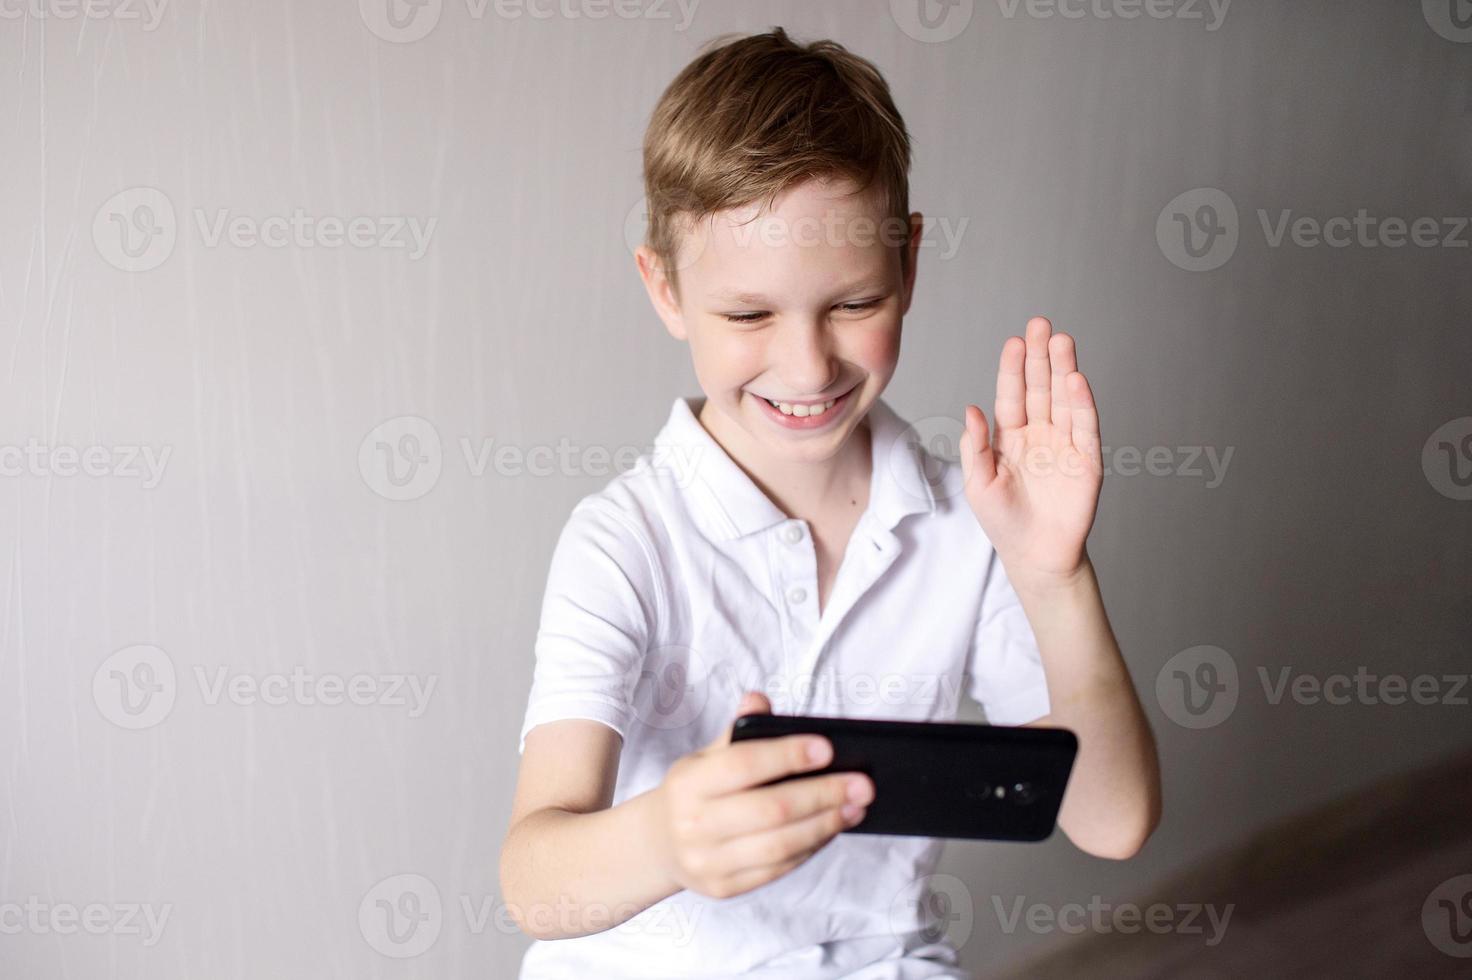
(1122, 841)
(531, 915)
(511, 891)
(533, 926)
(1121, 850)
(1128, 845)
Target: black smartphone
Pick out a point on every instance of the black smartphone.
(941, 779)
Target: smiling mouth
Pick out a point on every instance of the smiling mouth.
(805, 414)
(802, 409)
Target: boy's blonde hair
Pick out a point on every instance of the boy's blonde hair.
(749, 117)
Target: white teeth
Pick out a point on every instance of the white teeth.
(802, 411)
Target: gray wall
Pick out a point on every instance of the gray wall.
(267, 539)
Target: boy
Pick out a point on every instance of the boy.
(785, 538)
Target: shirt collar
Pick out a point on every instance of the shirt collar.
(728, 505)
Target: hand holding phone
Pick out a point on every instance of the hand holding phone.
(941, 779)
(737, 815)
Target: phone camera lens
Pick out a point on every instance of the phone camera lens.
(1023, 793)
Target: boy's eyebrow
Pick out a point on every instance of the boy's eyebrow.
(757, 299)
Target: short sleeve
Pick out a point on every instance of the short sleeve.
(597, 616)
(1004, 666)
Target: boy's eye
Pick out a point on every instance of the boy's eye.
(753, 317)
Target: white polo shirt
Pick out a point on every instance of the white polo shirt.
(678, 586)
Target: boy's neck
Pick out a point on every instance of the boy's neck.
(810, 491)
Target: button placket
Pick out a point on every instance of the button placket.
(797, 583)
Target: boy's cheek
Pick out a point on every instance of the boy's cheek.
(879, 348)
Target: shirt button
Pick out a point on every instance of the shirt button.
(796, 595)
(792, 533)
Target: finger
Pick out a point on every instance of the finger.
(745, 881)
(1085, 418)
(1064, 361)
(976, 449)
(1039, 377)
(770, 807)
(752, 703)
(1010, 410)
(752, 762)
(781, 845)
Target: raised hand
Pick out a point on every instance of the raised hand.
(1034, 484)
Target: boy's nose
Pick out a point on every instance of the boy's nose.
(807, 367)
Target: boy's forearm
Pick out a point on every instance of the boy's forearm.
(1113, 800)
(566, 874)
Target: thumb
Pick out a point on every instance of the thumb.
(752, 703)
(976, 449)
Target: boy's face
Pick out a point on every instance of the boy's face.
(801, 306)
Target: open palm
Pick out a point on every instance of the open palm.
(1034, 484)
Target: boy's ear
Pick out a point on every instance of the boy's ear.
(912, 253)
(661, 291)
